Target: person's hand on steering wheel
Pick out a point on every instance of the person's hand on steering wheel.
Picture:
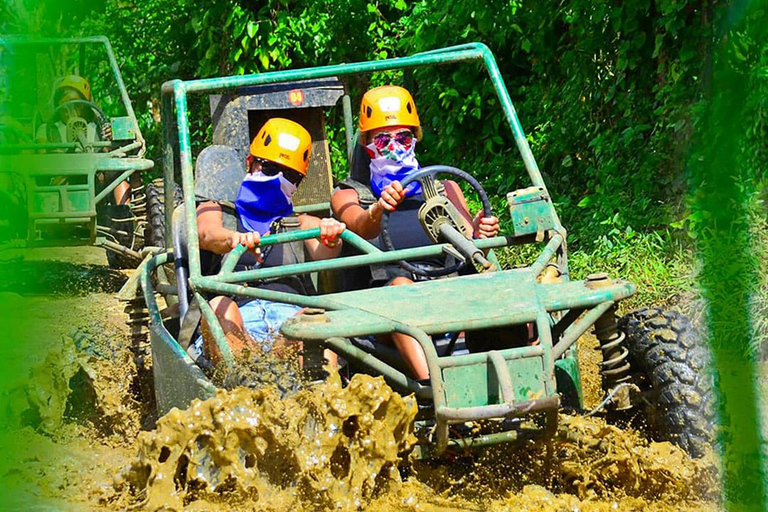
(485, 227)
(391, 197)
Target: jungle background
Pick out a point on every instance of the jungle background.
(648, 119)
(613, 98)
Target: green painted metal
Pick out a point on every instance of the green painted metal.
(579, 327)
(123, 128)
(179, 90)
(568, 378)
(398, 379)
(209, 316)
(531, 211)
(478, 384)
(509, 382)
(178, 380)
(374, 256)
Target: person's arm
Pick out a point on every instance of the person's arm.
(366, 222)
(214, 237)
(328, 245)
(480, 226)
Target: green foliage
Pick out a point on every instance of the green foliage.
(610, 96)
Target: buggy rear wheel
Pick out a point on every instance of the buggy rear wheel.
(670, 364)
(155, 228)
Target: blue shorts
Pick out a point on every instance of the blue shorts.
(262, 320)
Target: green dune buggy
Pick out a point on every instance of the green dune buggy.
(56, 181)
(651, 360)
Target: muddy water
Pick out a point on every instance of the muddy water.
(324, 448)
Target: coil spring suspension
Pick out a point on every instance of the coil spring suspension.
(614, 368)
(138, 321)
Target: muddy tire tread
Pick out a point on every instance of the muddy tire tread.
(155, 230)
(667, 350)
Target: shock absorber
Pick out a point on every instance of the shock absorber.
(614, 368)
(138, 321)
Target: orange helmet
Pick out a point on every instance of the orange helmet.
(388, 105)
(75, 82)
(283, 142)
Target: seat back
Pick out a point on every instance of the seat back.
(219, 170)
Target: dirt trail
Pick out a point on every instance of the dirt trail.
(328, 448)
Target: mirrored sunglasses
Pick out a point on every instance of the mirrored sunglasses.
(404, 138)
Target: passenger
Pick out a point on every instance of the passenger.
(278, 161)
(389, 129)
(68, 93)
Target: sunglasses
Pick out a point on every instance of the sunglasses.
(272, 169)
(404, 138)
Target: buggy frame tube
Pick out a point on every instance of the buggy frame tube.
(112, 186)
(579, 327)
(169, 165)
(547, 254)
(345, 348)
(216, 330)
(346, 103)
(475, 51)
(233, 257)
(372, 258)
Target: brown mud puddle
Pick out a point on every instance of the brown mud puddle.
(330, 447)
(323, 448)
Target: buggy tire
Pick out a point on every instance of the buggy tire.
(670, 364)
(155, 228)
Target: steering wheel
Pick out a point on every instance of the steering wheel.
(440, 219)
(100, 115)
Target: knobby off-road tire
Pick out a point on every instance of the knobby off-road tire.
(670, 363)
(155, 229)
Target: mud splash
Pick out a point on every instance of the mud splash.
(587, 461)
(325, 448)
(86, 379)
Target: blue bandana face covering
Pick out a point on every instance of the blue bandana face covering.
(393, 163)
(262, 200)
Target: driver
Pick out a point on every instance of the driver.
(278, 161)
(68, 90)
(389, 129)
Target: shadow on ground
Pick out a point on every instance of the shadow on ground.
(58, 278)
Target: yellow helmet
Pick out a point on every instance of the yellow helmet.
(388, 105)
(75, 82)
(283, 142)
